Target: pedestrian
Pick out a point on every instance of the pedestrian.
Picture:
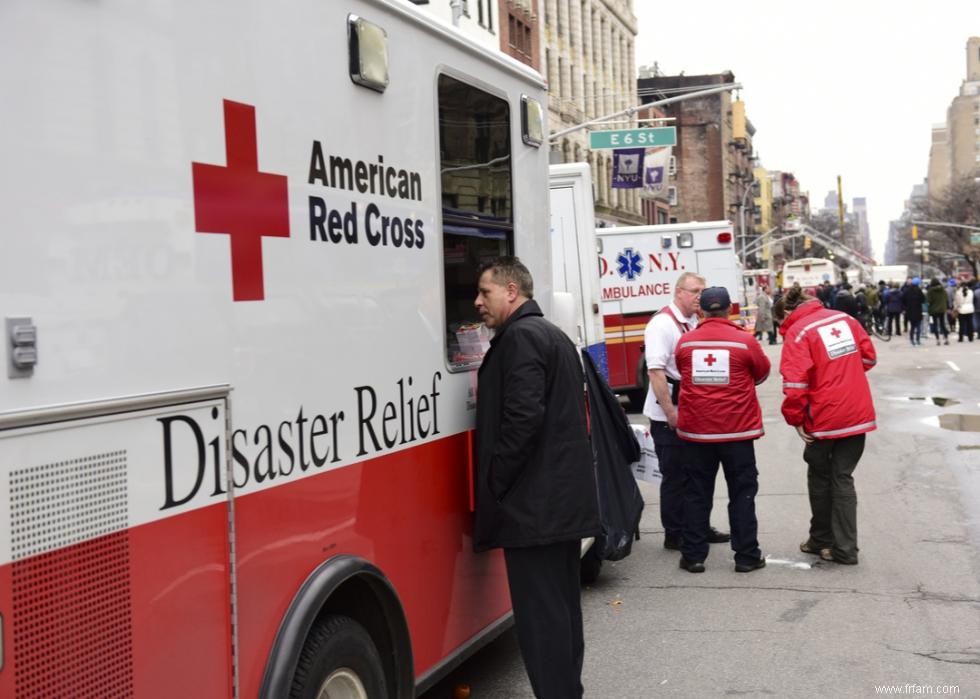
(661, 336)
(964, 311)
(975, 285)
(828, 400)
(951, 286)
(846, 302)
(905, 317)
(777, 294)
(824, 293)
(913, 301)
(763, 315)
(938, 305)
(893, 307)
(536, 489)
(873, 296)
(719, 416)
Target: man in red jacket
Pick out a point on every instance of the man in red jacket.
(718, 414)
(827, 399)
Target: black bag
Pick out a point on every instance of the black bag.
(614, 448)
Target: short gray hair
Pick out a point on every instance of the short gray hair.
(688, 275)
(508, 268)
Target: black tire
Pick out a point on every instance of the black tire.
(880, 333)
(338, 642)
(590, 567)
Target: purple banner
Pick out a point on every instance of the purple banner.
(628, 168)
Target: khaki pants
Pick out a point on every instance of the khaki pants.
(833, 500)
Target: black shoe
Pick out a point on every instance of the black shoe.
(844, 561)
(717, 537)
(692, 566)
(749, 567)
(672, 543)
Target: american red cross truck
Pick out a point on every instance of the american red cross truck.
(239, 246)
(639, 266)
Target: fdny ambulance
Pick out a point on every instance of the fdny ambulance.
(239, 256)
(638, 268)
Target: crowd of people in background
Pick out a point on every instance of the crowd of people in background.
(949, 307)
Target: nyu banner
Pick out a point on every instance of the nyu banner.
(655, 172)
(628, 168)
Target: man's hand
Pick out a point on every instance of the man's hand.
(671, 412)
(804, 435)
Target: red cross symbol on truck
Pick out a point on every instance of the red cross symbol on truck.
(241, 202)
(710, 360)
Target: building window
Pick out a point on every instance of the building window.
(519, 38)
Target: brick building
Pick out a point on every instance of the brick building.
(714, 148)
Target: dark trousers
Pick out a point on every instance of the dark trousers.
(894, 322)
(833, 499)
(966, 326)
(546, 596)
(915, 330)
(738, 463)
(671, 453)
(939, 325)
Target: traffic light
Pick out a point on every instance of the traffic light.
(915, 232)
(807, 242)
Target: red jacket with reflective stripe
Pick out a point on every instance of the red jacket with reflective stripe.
(720, 365)
(825, 356)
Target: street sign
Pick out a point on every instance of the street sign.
(634, 138)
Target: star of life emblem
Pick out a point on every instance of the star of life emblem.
(628, 264)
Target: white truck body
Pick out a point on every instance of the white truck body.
(575, 259)
(639, 266)
(240, 247)
(889, 273)
(809, 272)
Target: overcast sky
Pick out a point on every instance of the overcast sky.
(850, 88)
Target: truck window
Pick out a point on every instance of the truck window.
(477, 214)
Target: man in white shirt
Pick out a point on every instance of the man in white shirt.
(660, 339)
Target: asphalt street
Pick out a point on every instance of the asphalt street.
(907, 617)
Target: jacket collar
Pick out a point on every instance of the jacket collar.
(800, 313)
(528, 308)
(724, 321)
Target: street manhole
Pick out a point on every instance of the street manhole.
(935, 400)
(961, 423)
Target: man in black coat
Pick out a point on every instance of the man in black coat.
(535, 487)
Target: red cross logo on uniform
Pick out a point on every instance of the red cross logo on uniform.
(710, 360)
(835, 332)
(241, 202)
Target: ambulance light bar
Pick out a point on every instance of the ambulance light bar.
(725, 238)
(368, 47)
(685, 240)
(532, 121)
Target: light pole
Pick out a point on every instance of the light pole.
(921, 247)
(741, 219)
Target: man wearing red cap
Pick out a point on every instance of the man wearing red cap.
(718, 415)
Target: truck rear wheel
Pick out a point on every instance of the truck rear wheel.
(339, 661)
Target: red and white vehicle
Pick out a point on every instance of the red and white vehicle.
(239, 261)
(638, 267)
